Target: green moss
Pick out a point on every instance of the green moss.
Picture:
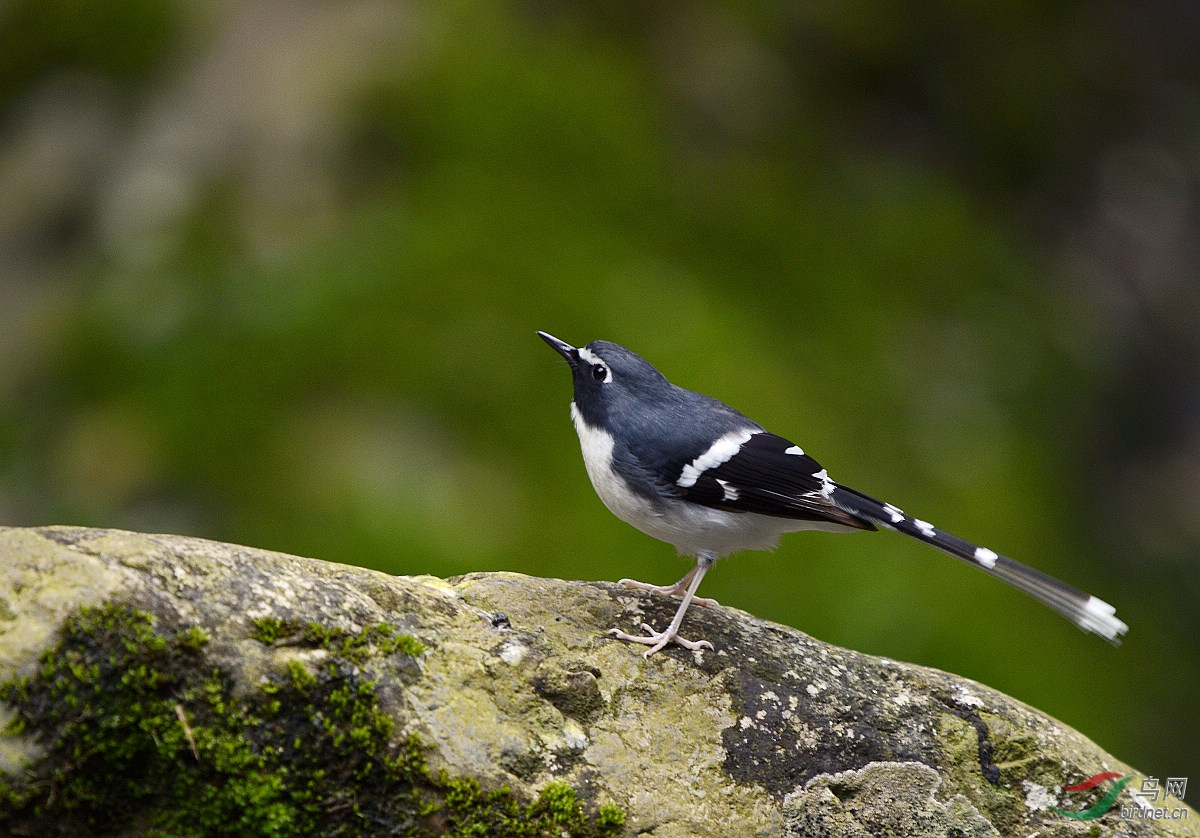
(144, 736)
(379, 639)
(472, 811)
(268, 629)
(610, 818)
(356, 647)
(195, 638)
(302, 679)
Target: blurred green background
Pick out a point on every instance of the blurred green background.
(270, 273)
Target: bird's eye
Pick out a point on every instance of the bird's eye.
(600, 372)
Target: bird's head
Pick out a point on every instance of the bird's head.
(606, 375)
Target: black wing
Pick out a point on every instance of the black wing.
(764, 477)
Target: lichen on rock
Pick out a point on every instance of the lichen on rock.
(882, 798)
(170, 686)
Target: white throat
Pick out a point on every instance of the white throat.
(597, 447)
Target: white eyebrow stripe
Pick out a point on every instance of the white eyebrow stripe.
(589, 356)
(721, 451)
(595, 360)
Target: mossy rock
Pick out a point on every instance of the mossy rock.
(170, 686)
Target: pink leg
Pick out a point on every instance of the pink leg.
(671, 635)
(678, 589)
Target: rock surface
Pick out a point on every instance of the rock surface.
(503, 679)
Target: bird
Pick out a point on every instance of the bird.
(695, 473)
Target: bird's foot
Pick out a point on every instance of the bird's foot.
(678, 589)
(657, 640)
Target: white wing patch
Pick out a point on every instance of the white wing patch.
(731, 492)
(895, 512)
(721, 451)
(925, 527)
(795, 450)
(827, 486)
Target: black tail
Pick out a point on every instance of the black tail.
(1086, 611)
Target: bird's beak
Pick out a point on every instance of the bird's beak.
(561, 347)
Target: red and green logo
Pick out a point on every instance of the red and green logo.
(1104, 803)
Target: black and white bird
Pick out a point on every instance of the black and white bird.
(693, 472)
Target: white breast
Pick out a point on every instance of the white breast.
(597, 447)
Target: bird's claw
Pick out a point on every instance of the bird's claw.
(658, 640)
